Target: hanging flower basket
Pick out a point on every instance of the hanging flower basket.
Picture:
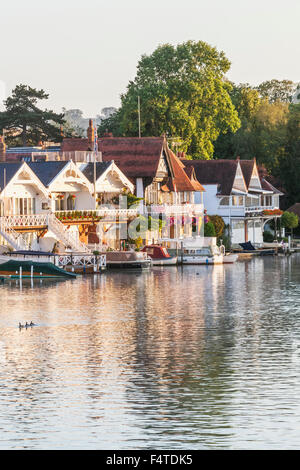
(60, 196)
(272, 212)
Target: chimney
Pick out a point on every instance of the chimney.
(91, 135)
(2, 149)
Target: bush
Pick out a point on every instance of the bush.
(268, 237)
(209, 230)
(219, 224)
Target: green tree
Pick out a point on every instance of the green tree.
(288, 168)
(240, 143)
(262, 135)
(182, 93)
(23, 120)
(289, 220)
(277, 90)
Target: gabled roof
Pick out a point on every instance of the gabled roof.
(139, 158)
(247, 169)
(269, 187)
(219, 172)
(47, 171)
(101, 167)
(190, 171)
(7, 172)
(180, 180)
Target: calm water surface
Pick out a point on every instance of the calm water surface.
(198, 358)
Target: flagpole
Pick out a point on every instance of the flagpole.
(95, 158)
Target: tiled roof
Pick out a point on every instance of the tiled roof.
(47, 171)
(269, 187)
(219, 172)
(7, 172)
(295, 208)
(180, 180)
(73, 144)
(190, 171)
(101, 167)
(136, 157)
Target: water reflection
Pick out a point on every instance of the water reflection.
(199, 357)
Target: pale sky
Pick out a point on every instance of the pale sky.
(84, 53)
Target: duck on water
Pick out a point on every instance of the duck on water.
(26, 325)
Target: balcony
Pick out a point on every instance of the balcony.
(246, 211)
(176, 209)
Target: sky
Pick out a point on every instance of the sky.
(85, 53)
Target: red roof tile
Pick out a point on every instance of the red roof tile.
(138, 158)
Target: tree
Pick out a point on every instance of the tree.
(262, 134)
(182, 93)
(25, 120)
(232, 144)
(277, 90)
(288, 168)
(289, 220)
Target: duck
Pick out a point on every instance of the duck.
(21, 326)
(31, 323)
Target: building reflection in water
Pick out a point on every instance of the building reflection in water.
(172, 357)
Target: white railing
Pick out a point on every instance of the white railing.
(177, 209)
(14, 238)
(64, 235)
(242, 210)
(81, 260)
(33, 220)
(101, 212)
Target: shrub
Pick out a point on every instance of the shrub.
(219, 224)
(268, 237)
(209, 230)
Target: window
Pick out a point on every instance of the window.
(71, 203)
(224, 201)
(24, 206)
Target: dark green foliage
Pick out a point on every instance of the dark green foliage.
(183, 94)
(209, 230)
(268, 237)
(24, 123)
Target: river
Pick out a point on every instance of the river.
(199, 357)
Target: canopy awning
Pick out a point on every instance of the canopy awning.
(261, 191)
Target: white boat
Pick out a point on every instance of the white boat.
(230, 258)
(201, 250)
(203, 255)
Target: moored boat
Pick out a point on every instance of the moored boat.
(159, 255)
(230, 258)
(203, 255)
(26, 269)
(127, 260)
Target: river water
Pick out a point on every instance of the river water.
(175, 358)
